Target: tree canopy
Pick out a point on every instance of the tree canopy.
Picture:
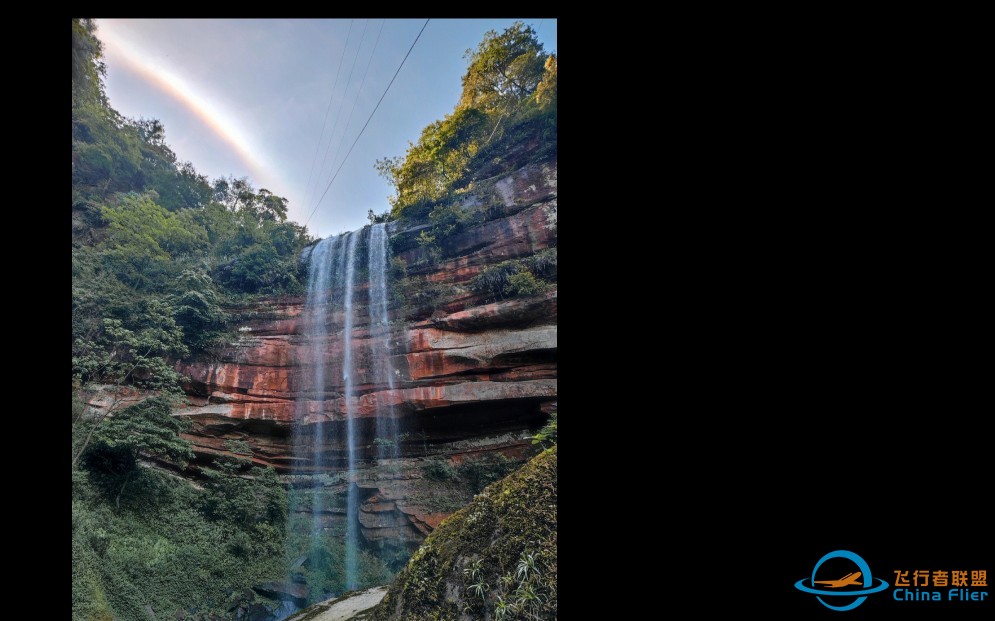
(88, 68)
(508, 105)
(153, 238)
(505, 69)
(159, 253)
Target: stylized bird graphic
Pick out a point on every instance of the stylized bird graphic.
(847, 580)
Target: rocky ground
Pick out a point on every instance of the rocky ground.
(350, 607)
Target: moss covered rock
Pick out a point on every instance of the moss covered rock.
(493, 559)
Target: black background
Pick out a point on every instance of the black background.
(784, 335)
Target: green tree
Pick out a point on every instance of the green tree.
(269, 206)
(239, 196)
(228, 191)
(253, 269)
(107, 155)
(505, 68)
(147, 428)
(132, 353)
(187, 188)
(256, 253)
(152, 132)
(198, 309)
(243, 496)
(88, 68)
(144, 238)
(508, 98)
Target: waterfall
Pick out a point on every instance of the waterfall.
(380, 338)
(308, 444)
(348, 374)
(320, 434)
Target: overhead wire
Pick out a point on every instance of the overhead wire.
(338, 114)
(375, 108)
(324, 121)
(358, 93)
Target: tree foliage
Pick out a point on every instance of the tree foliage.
(237, 195)
(159, 253)
(146, 540)
(244, 499)
(517, 277)
(198, 310)
(505, 69)
(88, 68)
(147, 428)
(131, 350)
(508, 104)
(546, 90)
(153, 233)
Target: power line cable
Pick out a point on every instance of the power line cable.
(358, 93)
(375, 108)
(331, 96)
(338, 115)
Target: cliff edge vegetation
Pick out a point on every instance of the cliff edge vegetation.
(493, 559)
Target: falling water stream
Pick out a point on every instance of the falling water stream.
(380, 337)
(331, 290)
(307, 445)
(348, 375)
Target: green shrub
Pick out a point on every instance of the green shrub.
(517, 277)
(439, 470)
(112, 446)
(525, 283)
(239, 447)
(244, 497)
(546, 435)
(398, 269)
(477, 474)
(163, 549)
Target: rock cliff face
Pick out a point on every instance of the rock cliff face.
(473, 375)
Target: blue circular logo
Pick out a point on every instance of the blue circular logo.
(838, 588)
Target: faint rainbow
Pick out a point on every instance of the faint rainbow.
(212, 114)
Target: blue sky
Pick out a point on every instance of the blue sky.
(249, 97)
